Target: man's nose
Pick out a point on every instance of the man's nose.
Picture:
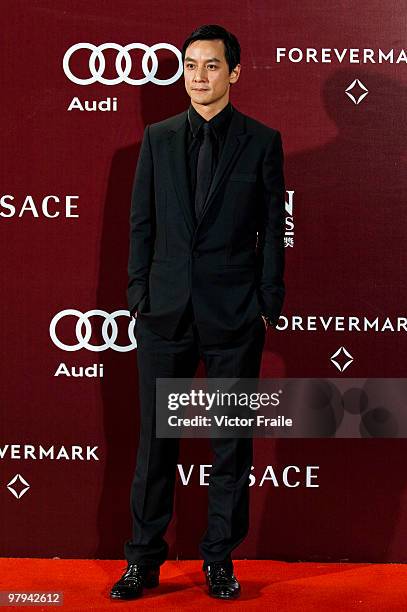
(200, 74)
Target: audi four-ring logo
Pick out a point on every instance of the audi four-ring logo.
(122, 72)
(109, 330)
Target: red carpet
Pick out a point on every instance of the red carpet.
(271, 585)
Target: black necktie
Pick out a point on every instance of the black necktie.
(203, 169)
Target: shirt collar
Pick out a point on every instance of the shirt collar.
(219, 122)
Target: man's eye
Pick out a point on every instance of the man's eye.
(190, 65)
(211, 66)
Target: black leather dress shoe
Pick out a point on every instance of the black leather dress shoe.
(134, 579)
(221, 581)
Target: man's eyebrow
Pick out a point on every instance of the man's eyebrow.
(211, 59)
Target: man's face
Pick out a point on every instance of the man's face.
(206, 72)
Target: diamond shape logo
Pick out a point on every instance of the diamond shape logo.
(356, 91)
(342, 359)
(22, 486)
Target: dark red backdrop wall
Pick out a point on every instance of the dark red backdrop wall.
(346, 183)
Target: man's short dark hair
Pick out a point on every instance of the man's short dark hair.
(213, 32)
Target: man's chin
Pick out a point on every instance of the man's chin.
(201, 99)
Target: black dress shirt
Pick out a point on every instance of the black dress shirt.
(219, 124)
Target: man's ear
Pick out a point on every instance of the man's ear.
(234, 75)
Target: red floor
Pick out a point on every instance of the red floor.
(270, 585)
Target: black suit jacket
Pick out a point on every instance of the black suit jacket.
(231, 262)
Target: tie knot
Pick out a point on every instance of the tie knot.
(207, 130)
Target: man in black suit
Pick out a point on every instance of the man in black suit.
(206, 271)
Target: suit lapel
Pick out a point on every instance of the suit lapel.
(178, 164)
(235, 140)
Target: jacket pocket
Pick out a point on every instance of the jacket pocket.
(243, 176)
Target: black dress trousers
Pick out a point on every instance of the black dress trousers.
(152, 490)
